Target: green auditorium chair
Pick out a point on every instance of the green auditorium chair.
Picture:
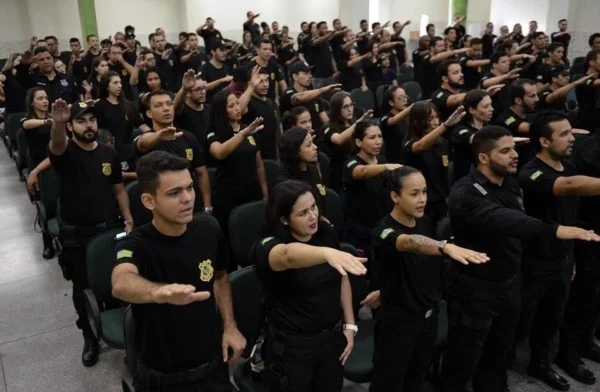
(105, 313)
(47, 203)
(245, 222)
(21, 157)
(413, 90)
(139, 213)
(363, 99)
(13, 123)
(443, 231)
(271, 171)
(325, 166)
(379, 96)
(334, 211)
(403, 78)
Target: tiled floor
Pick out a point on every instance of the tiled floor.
(40, 346)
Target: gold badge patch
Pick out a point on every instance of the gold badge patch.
(206, 270)
(445, 160)
(322, 189)
(189, 154)
(106, 169)
(251, 140)
(272, 76)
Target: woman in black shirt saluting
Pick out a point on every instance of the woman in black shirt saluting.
(299, 116)
(303, 274)
(425, 149)
(368, 196)
(90, 87)
(240, 175)
(393, 128)
(410, 279)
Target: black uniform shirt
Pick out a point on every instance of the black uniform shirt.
(433, 163)
(172, 338)
(393, 139)
(558, 105)
(585, 156)
(211, 38)
(472, 75)
(588, 99)
(429, 79)
(62, 86)
(85, 184)
(511, 121)
(210, 73)
(368, 200)
(500, 100)
(440, 99)
(418, 64)
(185, 146)
(463, 153)
(489, 218)
(124, 74)
(337, 153)
(267, 137)
(409, 281)
(120, 123)
(37, 140)
(315, 106)
(194, 62)
(306, 300)
(275, 75)
(194, 121)
(322, 57)
(537, 179)
(312, 177)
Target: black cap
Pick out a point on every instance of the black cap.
(219, 45)
(300, 66)
(130, 36)
(78, 109)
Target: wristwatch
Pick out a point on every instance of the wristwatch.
(441, 247)
(352, 327)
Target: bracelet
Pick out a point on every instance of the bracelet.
(351, 327)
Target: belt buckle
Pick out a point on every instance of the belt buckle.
(428, 313)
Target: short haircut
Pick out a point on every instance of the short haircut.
(90, 36)
(444, 67)
(46, 38)
(496, 56)
(395, 24)
(151, 37)
(562, 20)
(321, 23)
(73, 40)
(264, 41)
(476, 41)
(517, 89)
(363, 21)
(447, 30)
(152, 165)
(541, 127)
(191, 34)
(153, 93)
(428, 26)
(335, 20)
(537, 34)
(39, 50)
(592, 55)
(105, 42)
(375, 24)
(145, 52)
(434, 41)
(592, 38)
(554, 46)
(485, 139)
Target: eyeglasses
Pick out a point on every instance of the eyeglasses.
(348, 105)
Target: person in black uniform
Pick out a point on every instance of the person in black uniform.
(352, 75)
(418, 55)
(451, 93)
(215, 72)
(182, 143)
(554, 98)
(364, 184)
(90, 187)
(191, 111)
(394, 125)
(472, 64)
(211, 36)
(90, 87)
(116, 63)
(299, 116)
(426, 150)
(588, 98)
(56, 85)
(191, 58)
(172, 271)
(430, 79)
(325, 67)
(500, 74)
(126, 154)
(410, 272)
(267, 63)
(562, 36)
(486, 211)
(310, 328)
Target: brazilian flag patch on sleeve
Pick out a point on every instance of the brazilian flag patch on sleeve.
(385, 233)
(266, 240)
(124, 254)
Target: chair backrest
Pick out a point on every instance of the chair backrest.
(247, 296)
(443, 230)
(325, 166)
(100, 259)
(379, 96)
(129, 333)
(140, 214)
(245, 222)
(12, 127)
(22, 148)
(359, 284)
(272, 172)
(450, 173)
(402, 78)
(49, 192)
(363, 99)
(335, 211)
(413, 90)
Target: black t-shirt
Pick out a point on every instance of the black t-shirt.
(120, 123)
(14, 93)
(410, 281)
(433, 163)
(128, 158)
(368, 200)
(194, 121)
(463, 153)
(429, 78)
(488, 45)
(418, 65)
(79, 73)
(564, 39)
(315, 106)
(88, 60)
(186, 146)
(85, 184)
(511, 121)
(588, 99)
(37, 140)
(267, 137)
(211, 38)
(62, 86)
(531, 72)
(194, 62)
(373, 73)
(322, 58)
(500, 100)
(393, 138)
(124, 74)
(351, 77)
(537, 179)
(210, 73)
(558, 105)
(238, 170)
(305, 300)
(544, 72)
(399, 51)
(440, 99)
(172, 338)
(337, 153)
(472, 75)
(312, 177)
(275, 75)
(306, 48)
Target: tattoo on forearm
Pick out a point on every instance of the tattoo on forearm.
(420, 243)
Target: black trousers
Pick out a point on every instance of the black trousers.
(544, 296)
(404, 348)
(482, 318)
(312, 366)
(216, 381)
(583, 310)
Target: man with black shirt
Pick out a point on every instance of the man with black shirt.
(325, 68)
(92, 51)
(138, 77)
(76, 66)
(191, 112)
(268, 65)
(500, 73)
(165, 137)
(117, 63)
(90, 187)
(562, 36)
(451, 93)
(165, 61)
(538, 50)
(55, 84)
(364, 37)
(300, 94)
(554, 98)
(53, 48)
(173, 271)
(126, 154)
(191, 58)
(430, 30)
(588, 94)
(450, 35)
(472, 64)
(212, 37)
(594, 41)
(430, 79)
(554, 60)
(418, 55)
(215, 73)
(251, 26)
(486, 211)
(130, 54)
(401, 52)
(338, 40)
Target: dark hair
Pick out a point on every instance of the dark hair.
(217, 118)
(472, 99)
(496, 56)
(388, 96)
(39, 50)
(335, 109)
(90, 36)
(428, 26)
(562, 20)
(360, 131)
(395, 178)
(152, 165)
(154, 93)
(444, 67)
(264, 41)
(505, 46)
(155, 70)
(536, 35)
(145, 52)
(485, 139)
(192, 34)
(291, 117)
(46, 38)
(264, 24)
(592, 38)
(29, 100)
(476, 41)
(517, 89)
(541, 127)
(434, 41)
(362, 21)
(151, 37)
(554, 46)
(418, 119)
(303, 23)
(592, 55)
(447, 30)
(375, 24)
(282, 198)
(289, 145)
(396, 23)
(321, 23)
(336, 20)
(129, 28)
(93, 73)
(73, 40)
(104, 135)
(125, 105)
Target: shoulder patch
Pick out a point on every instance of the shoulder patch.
(536, 175)
(384, 119)
(510, 120)
(266, 240)
(212, 134)
(351, 163)
(463, 131)
(290, 91)
(124, 254)
(326, 131)
(385, 233)
(440, 94)
(426, 57)
(480, 189)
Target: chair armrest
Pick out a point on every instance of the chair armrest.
(93, 312)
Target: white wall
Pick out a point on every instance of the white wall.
(478, 14)
(509, 12)
(437, 10)
(583, 20)
(14, 11)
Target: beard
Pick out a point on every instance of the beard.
(456, 85)
(87, 137)
(500, 170)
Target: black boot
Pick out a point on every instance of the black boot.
(89, 356)
(49, 252)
